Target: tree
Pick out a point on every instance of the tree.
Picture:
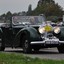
(15, 14)
(48, 7)
(29, 10)
(2, 17)
(9, 16)
(40, 2)
(23, 13)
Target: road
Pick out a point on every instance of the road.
(49, 53)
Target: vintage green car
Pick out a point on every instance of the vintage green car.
(28, 33)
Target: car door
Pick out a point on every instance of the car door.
(8, 36)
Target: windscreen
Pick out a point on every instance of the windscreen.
(32, 20)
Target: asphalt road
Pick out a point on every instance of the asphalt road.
(49, 53)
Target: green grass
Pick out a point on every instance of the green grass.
(13, 58)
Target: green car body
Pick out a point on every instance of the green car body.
(27, 37)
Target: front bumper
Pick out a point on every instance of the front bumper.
(48, 41)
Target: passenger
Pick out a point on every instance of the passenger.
(60, 21)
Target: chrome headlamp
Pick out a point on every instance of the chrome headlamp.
(56, 30)
(42, 30)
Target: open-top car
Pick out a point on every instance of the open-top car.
(31, 33)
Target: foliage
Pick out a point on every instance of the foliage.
(2, 17)
(29, 10)
(53, 18)
(48, 8)
(8, 16)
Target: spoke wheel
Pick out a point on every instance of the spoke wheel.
(26, 45)
(36, 49)
(61, 49)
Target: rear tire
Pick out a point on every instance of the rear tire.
(61, 48)
(1, 45)
(26, 45)
(36, 49)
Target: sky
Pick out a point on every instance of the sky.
(20, 5)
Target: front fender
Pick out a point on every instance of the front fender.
(60, 36)
(34, 35)
(30, 31)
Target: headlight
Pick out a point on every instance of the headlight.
(56, 30)
(42, 30)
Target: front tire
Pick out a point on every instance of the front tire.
(26, 45)
(61, 48)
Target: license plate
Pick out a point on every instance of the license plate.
(51, 42)
(54, 42)
(48, 42)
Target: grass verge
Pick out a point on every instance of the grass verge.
(12, 58)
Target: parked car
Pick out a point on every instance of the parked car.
(32, 35)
